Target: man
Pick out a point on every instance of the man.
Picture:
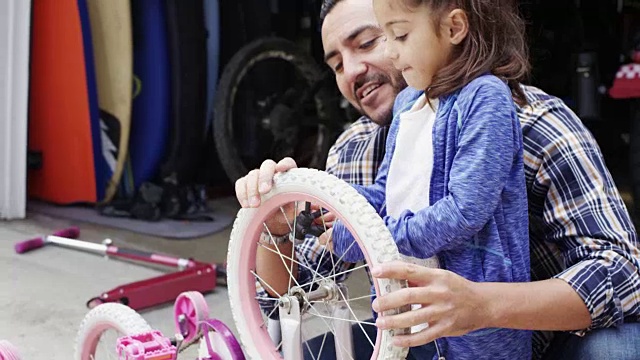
(584, 251)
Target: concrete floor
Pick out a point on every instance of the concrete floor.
(43, 293)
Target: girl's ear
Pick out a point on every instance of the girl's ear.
(458, 25)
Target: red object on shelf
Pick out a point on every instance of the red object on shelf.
(627, 82)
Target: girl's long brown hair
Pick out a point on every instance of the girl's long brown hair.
(494, 44)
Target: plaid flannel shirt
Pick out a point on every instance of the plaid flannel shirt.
(580, 230)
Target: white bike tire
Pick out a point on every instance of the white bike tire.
(375, 241)
(101, 318)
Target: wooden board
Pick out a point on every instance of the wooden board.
(113, 54)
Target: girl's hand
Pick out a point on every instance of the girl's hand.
(326, 219)
(326, 239)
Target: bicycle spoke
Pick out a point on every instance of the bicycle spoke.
(324, 339)
(360, 298)
(272, 311)
(341, 319)
(324, 249)
(338, 274)
(326, 306)
(265, 299)
(333, 262)
(286, 219)
(365, 265)
(346, 251)
(264, 282)
(322, 317)
(354, 315)
(325, 322)
(283, 262)
(308, 266)
(307, 345)
(317, 313)
(293, 260)
(295, 219)
(105, 349)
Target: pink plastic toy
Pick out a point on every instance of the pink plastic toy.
(146, 346)
(190, 309)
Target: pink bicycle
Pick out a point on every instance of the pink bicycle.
(327, 304)
(115, 331)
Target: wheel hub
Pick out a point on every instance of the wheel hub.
(328, 291)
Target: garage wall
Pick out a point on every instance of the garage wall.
(14, 81)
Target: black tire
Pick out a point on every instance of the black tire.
(263, 75)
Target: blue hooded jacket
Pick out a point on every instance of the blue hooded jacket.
(477, 222)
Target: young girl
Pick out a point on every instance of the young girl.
(451, 188)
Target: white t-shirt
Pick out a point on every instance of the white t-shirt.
(409, 177)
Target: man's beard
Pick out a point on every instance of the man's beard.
(385, 117)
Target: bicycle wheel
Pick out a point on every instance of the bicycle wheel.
(101, 328)
(300, 186)
(271, 102)
(189, 310)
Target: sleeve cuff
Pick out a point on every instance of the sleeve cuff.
(592, 282)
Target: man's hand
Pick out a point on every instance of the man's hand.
(450, 303)
(258, 182)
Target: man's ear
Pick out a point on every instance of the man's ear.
(458, 25)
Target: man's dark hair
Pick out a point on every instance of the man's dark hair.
(325, 9)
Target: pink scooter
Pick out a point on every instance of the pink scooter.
(193, 275)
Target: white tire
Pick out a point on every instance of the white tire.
(354, 210)
(105, 317)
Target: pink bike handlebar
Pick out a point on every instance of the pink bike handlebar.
(36, 243)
